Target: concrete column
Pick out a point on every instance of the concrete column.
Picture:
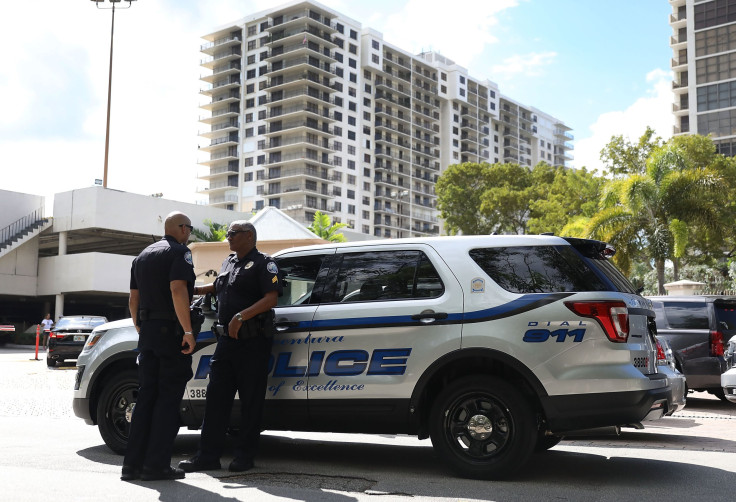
(59, 306)
(62, 243)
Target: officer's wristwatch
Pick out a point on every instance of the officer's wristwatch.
(239, 317)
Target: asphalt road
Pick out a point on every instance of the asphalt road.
(48, 454)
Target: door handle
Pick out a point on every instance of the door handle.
(427, 317)
(284, 325)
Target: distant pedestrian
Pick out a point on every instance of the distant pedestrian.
(46, 326)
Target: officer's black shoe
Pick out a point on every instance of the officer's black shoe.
(240, 465)
(130, 473)
(167, 473)
(196, 464)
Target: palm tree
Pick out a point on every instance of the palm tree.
(324, 229)
(651, 213)
(216, 232)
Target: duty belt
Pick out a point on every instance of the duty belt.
(159, 315)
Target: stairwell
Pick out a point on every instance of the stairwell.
(22, 230)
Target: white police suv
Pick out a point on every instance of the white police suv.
(492, 346)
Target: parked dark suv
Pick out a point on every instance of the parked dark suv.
(698, 329)
(69, 335)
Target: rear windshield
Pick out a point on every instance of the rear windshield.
(541, 269)
(79, 322)
(682, 315)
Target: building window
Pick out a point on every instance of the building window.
(354, 79)
(351, 164)
(443, 76)
(351, 135)
(375, 44)
(252, 30)
(251, 74)
(252, 59)
(351, 120)
(354, 34)
(248, 177)
(351, 150)
(352, 49)
(443, 88)
(462, 79)
(352, 63)
(351, 195)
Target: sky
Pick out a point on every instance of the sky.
(602, 70)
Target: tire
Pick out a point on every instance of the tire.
(115, 408)
(719, 394)
(545, 442)
(505, 428)
(50, 362)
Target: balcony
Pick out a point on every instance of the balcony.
(219, 172)
(303, 64)
(221, 57)
(231, 82)
(299, 79)
(561, 133)
(302, 35)
(220, 142)
(291, 142)
(220, 101)
(304, 108)
(211, 47)
(220, 114)
(297, 18)
(310, 48)
(223, 199)
(303, 156)
(218, 129)
(298, 124)
(233, 67)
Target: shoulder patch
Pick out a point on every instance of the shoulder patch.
(188, 258)
(271, 267)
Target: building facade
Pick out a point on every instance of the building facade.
(306, 110)
(704, 47)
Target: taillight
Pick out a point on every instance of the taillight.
(54, 334)
(612, 316)
(661, 356)
(716, 343)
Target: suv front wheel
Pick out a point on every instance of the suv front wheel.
(482, 427)
(115, 409)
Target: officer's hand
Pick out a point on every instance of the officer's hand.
(233, 327)
(188, 340)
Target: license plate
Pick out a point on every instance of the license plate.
(79, 338)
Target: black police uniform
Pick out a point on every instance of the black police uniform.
(163, 370)
(239, 365)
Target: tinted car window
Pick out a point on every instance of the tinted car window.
(725, 313)
(79, 322)
(686, 315)
(385, 275)
(538, 269)
(298, 277)
(660, 320)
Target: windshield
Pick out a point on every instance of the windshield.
(79, 322)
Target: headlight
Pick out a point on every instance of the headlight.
(93, 339)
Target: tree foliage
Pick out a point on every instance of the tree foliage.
(323, 227)
(215, 232)
(650, 215)
(509, 198)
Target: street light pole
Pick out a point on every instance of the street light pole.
(109, 80)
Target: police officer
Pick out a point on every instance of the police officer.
(247, 289)
(161, 288)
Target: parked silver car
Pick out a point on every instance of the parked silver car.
(728, 379)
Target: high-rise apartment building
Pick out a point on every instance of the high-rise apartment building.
(310, 111)
(704, 66)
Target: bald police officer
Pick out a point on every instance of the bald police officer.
(161, 289)
(247, 289)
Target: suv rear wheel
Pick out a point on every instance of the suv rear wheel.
(482, 427)
(115, 408)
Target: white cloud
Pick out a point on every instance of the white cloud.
(525, 65)
(460, 30)
(654, 110)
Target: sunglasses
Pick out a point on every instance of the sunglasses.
(233, 233)
(190, 227)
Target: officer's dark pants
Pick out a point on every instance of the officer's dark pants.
(163, 372)
(236, 365)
